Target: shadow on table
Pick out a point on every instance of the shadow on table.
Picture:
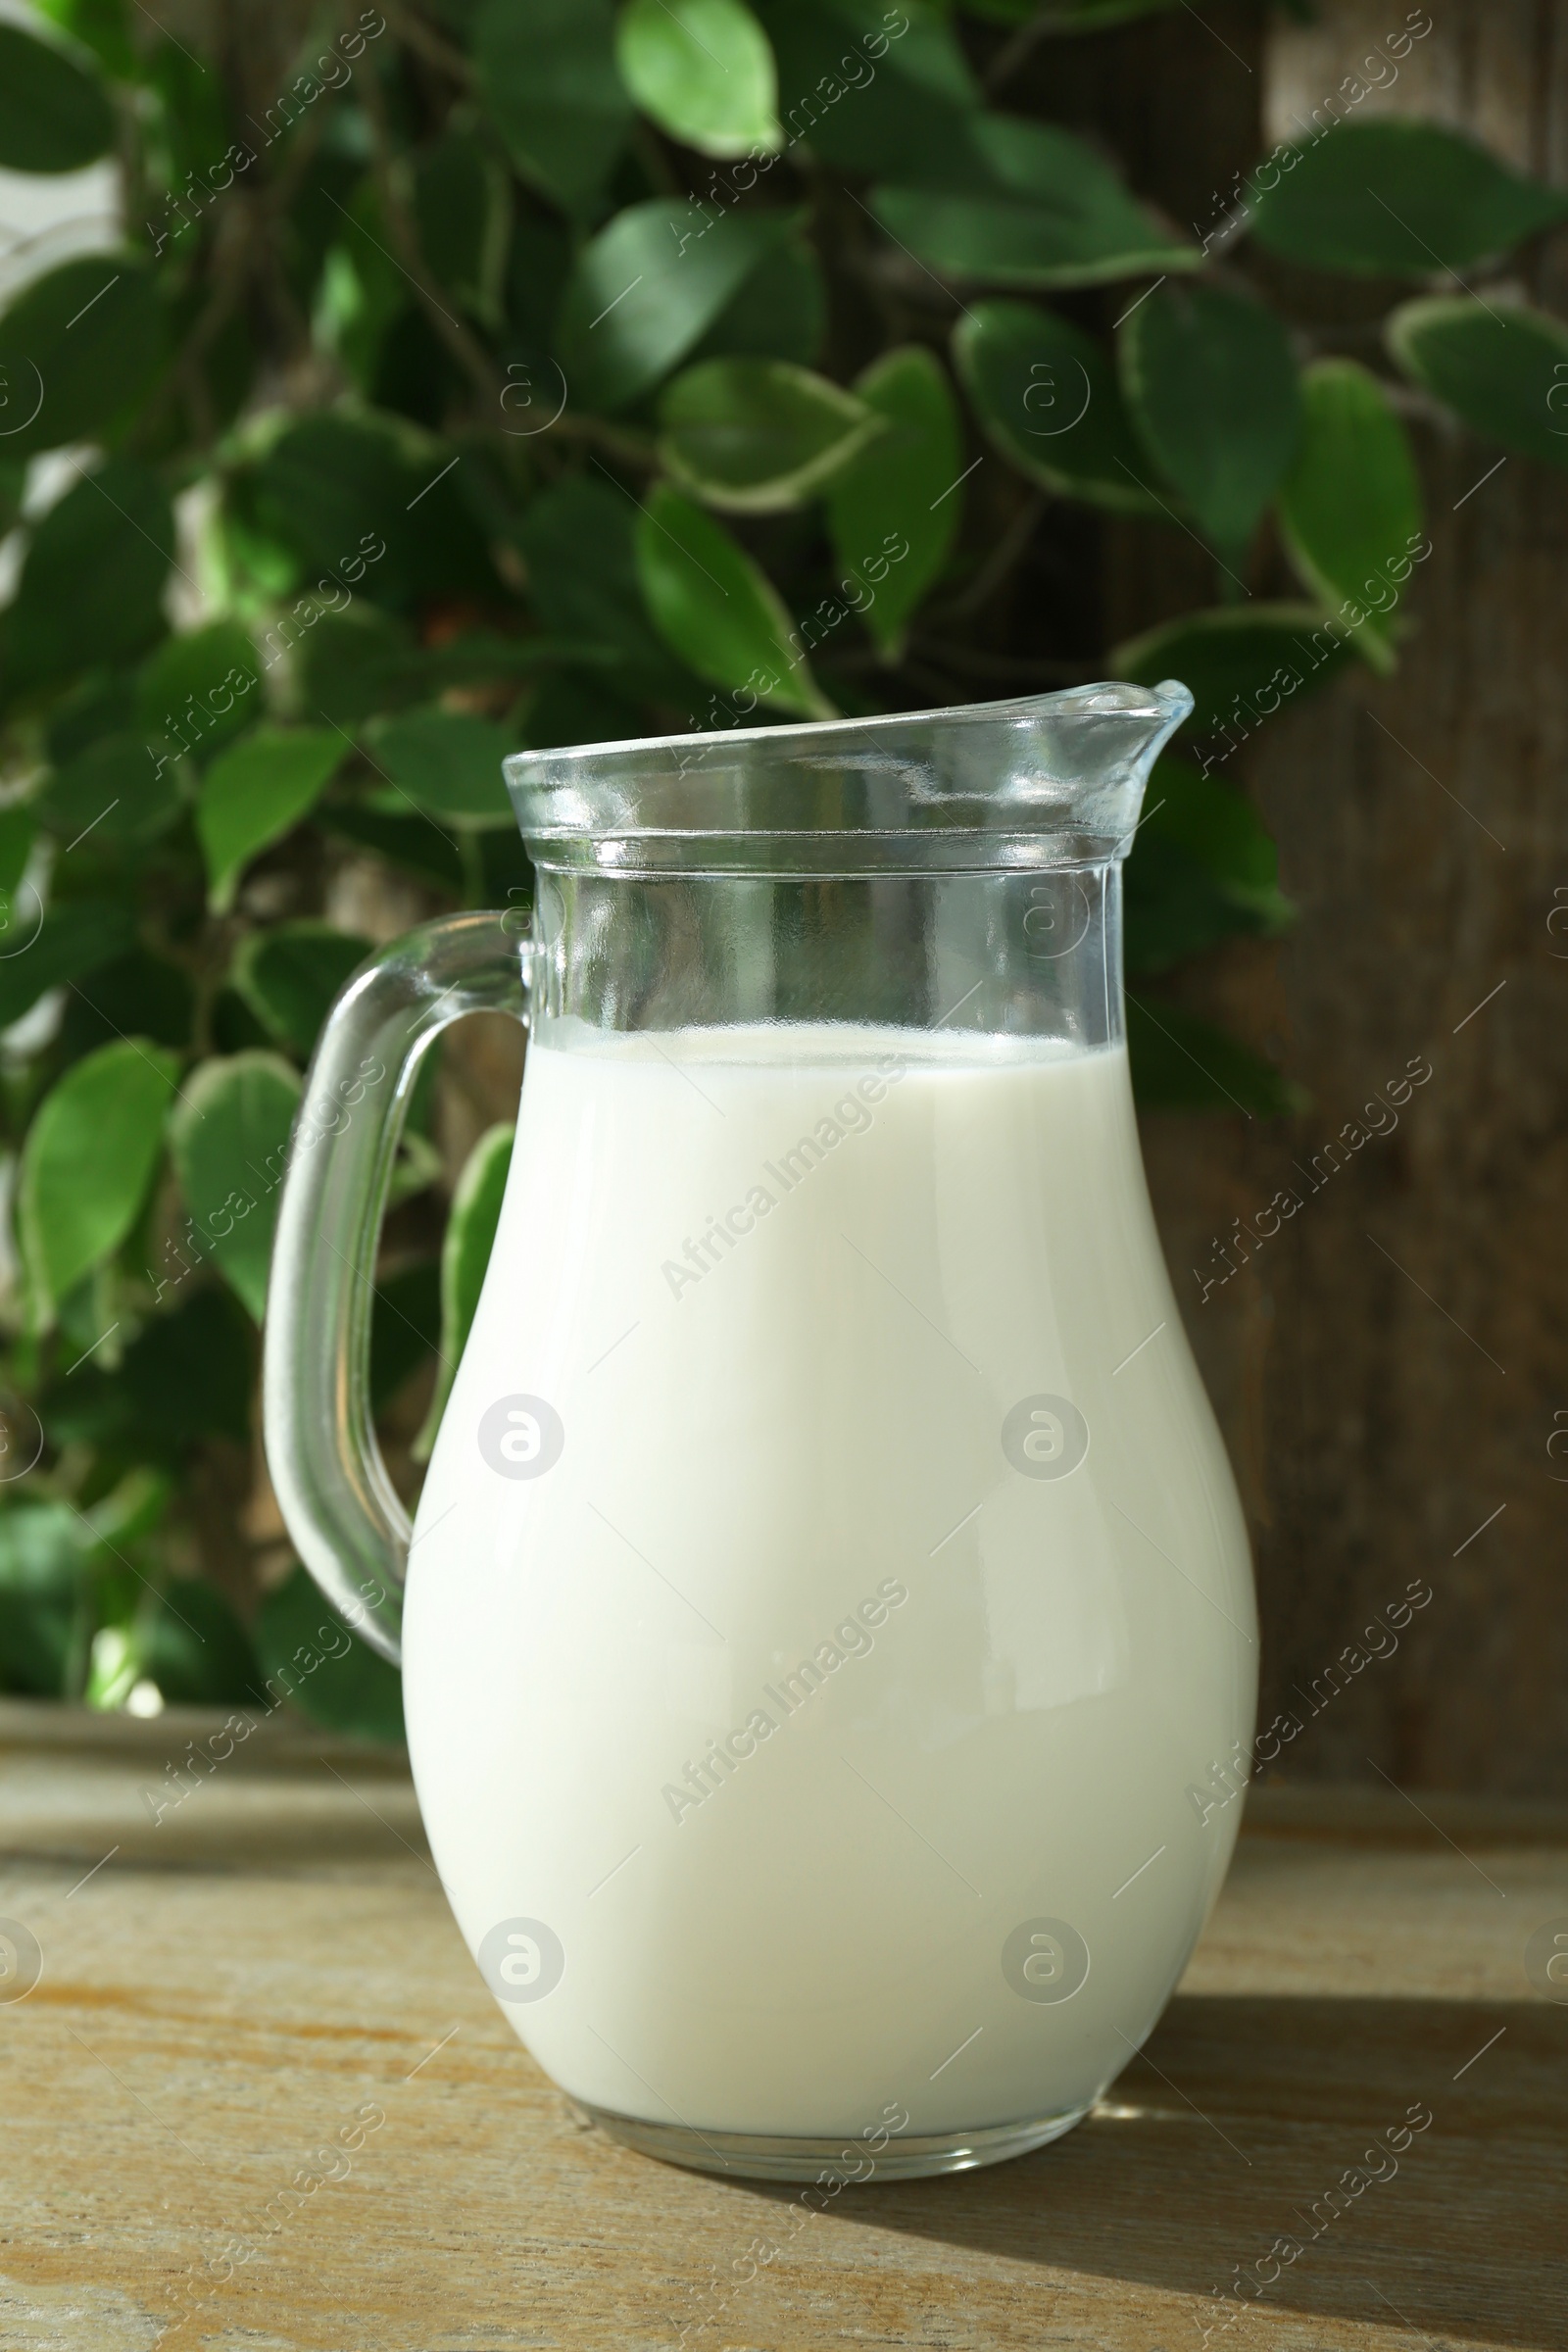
(1242, 2115)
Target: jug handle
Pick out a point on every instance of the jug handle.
(337, 1501)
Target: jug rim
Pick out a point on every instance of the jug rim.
(1049, 780)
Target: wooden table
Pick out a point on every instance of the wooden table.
(270, 1967)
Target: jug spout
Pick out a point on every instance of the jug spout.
(1044, 780)
(1104, 741)
(1122, 730)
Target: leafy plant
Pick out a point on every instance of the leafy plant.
(497, 373)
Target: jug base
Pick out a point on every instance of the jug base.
(763, 2156)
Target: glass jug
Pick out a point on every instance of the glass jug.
(828, 1595)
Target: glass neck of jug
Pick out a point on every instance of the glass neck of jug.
(955, 871)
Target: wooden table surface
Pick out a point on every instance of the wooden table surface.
(270, 1967)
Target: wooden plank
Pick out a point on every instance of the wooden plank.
(206, 2020)
(1373, 1441)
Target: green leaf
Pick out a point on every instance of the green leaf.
(1211, 388)
(194, 1370)
(579, 539)
(290, 975)
(188, 1641)
(645, 289)
(114, 1666)
(1350, 506)
(87, 1161)
(363, 293)
(505, 869)
(404, 1327)
(547, 76)
(229, 1135)
(1219, 827)
(568, 708)
(83, 344)
(53, 117)
(464, 1256)
(134, 994)
(133, 1508)
(1399, 199)
(780, 312)
(704, 70)
(13, 488)
(471, 1235)
(538, 258)
(308, 1655)
(719, 612)
(480, 657)
(72, 939)
(462, 209)
(408, 370)
(1241, 664)
(233, 1027)
(199, 690)
(758, 436)
(860, 94)
(903, 487)
(124, 790)
(1172, 908)
(103, 702)
(359, 506)
(357, 662)
(1015, 202)
(363, 319)
(187, 1375)
(45, 1549)
(412, 844)
(1047, 395)
(1203, 869)
(102, 26)
(1182, 1063)
(257, 791)
(18, 833)
(92, 581)
(1504, 371)
(193, 110)
(447, 763)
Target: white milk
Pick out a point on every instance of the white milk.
(792, 1458)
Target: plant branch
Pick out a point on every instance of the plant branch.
(616, 440)
(1050, 24)
(991, 574)
(464, 344)
(423, 39)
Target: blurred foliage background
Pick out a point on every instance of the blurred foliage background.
(471, 377)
